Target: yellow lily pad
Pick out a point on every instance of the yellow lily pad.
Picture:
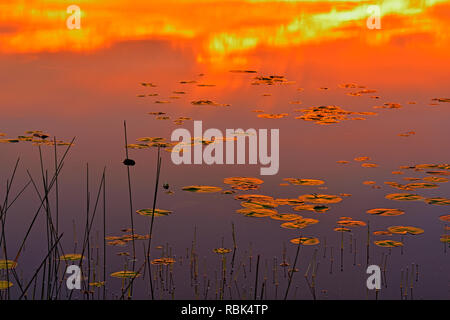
(125, 274)
(5, 284)
(71, 257)
(222, 250)
(163, 261)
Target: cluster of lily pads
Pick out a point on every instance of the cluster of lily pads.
(36, 137)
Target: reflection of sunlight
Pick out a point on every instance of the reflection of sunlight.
(217, 28)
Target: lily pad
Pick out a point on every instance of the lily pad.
(222, 250)
(125, 274)
(311, 207)
(5, 284)
(388, 243)
(306, 241)
(71, 257)
(158, 212)
(243, 183)
(256, 213)
(304, 182)
(405, 230)
(286, 216)
(351, 223)
(320, 198)
(385, 212)
(299, 224)
(404, 197)
(438, 201)
(202, 189)
(7, 264)
(163, 261)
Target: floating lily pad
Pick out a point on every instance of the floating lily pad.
(288, 202)
(125, 274)
(272, 115)
(202, 189)
(163, 261)
(9, 140)
(369, 165)
(438, 201)
(243, 183)
(299, 224)
(254, 197)
(382, 233)
(286, 216)
(351, 223)
(5, 284)
(385, 212)
(7, 264)
(158, 212)
(97, 284)
(362, 158)
(71, 257)
(222, 250)
(306, 241)
(311, 207)
(304, 182)
(326, 115)
(320, 198)
(342, 229)
(256, 212)
(405, 230)
(388, 243)
(436, 179)
(404, 197)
